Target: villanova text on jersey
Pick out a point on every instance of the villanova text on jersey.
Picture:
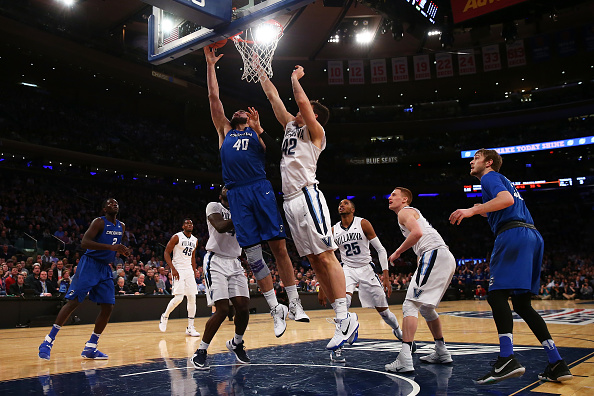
(352, 236)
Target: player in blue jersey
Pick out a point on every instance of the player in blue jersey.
(93, 277)
(515, 268)
(252, 202)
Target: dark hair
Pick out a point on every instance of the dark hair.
(322, 112)
(186, 219)
(351, 202)
(234, 121)
(493, 156)
(406, 192)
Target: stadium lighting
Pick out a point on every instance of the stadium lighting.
(265, 33)
(68, 3)
(433, 33)
(364, 37)
(167, 25)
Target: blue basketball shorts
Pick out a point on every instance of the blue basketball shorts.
(93, 278)
(516, 261)
(254, 212)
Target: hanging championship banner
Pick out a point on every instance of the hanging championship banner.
(379, 73)
(400, 69)
(516, 54)
(443, 65)
(491, 58)
(356, 72)
(589, 37)
(466, 62)
(421, 65)
(541, 50)
(566, 42)
(335, 73)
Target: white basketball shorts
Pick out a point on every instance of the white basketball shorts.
(432, 277)
(185, 285)
(371, 289)
(225, 278)
(309, 221)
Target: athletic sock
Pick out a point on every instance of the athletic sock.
(439, 343)
(54, 331)
(292, 292)
(203, 345)
(506, 344)
(237, 339)
(389, 317)
(349, 298)
(271, 298)
(551, 349)
(406, 349)
(190, 322)
(94, 338)
(340, 307)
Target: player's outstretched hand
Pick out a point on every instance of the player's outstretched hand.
(457, 216)
(298, 72)
(254, 120)
(210, 56)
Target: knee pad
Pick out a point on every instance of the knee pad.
(429, 313)
(259, 269)
(410, 308)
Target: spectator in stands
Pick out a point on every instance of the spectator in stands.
(12, 278)
(115, 272)
(46, 260)
(121, 288)
(570, 292)
(162, 276)
(4, 253)
(3, 239)
(140, 286)
(34, 277)
(18, 288)
(58, 270)
(42, 287)
(161, 288)
(544, 293)
(53, 257)
(586, 291)
(150, 278)
(2, 286)
(64, 283)
(59, 233)
(480, 293)
(118, 260)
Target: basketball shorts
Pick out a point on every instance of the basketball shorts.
(371, 289)
(516, 261)
(225, 278)
(93, 278)
(309, 221)
(255, 214)
(432, 277)
(185, 285)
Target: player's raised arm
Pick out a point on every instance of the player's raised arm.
(217, 112)
(280, 111)
(167, 255)
(309, 117)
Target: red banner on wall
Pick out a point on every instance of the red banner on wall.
(466, 9)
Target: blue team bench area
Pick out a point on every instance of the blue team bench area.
(42, 311)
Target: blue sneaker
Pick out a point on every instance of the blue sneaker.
(91, 352)
(45, 348)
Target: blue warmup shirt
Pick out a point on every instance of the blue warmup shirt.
(111, 235)
(492, 184)
(242, 158)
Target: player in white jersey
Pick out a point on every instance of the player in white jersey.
(305, 206)
(352, 235)
(183, 271)
(430, 281)
(225, 279)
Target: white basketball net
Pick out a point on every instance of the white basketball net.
(257, 47)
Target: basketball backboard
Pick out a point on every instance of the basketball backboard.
(178, 27)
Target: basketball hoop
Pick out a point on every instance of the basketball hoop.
(257, 47)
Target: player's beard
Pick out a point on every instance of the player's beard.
(236, 121)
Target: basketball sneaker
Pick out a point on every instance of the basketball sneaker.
(45, 348)
(239, 351)
(346, 331)
(439, 356)
(91, 352)
(402, 364)
(296, 311)
(556, 372)
(279, 315)
(398, 334)
(336, 356)
(163, 323)
(199, 360)
(191, 331)
(503, 368)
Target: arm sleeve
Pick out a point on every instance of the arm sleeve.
(273, 151)
(381, 253)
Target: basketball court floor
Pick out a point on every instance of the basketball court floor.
(144, 361)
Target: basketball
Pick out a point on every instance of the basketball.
(218, 44)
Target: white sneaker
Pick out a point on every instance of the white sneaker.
(441, 356)
(191, 331)
(163, 323)
(347, 330)
(296, 311)
(402, 364)
(279, 315)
